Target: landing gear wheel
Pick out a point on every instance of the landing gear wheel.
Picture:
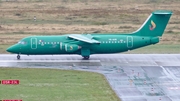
(18, 57)
(86, 57)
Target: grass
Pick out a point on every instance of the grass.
(55, 85)
(157, 49)
(3, 49)
(53, 14)
(56, 17)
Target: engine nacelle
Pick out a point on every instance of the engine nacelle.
(69, 47)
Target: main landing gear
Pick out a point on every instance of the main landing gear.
(86, 57)
(18, 57)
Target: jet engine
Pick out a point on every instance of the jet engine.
(69, 47)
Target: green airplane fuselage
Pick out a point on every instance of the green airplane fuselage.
(62, 45)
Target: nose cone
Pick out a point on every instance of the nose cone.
(13, 49)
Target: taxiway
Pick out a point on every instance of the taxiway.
(134, 77)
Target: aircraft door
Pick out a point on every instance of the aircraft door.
(129, 41)
(33, 43)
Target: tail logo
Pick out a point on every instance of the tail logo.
(152, 26)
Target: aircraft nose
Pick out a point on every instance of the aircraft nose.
(13, 49)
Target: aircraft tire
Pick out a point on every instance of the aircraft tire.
(18, 56)
(86, 57)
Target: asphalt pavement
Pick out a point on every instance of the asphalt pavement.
(134, 77)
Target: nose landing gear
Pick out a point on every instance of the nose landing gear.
(18, 57)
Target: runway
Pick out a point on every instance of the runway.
(134, 77)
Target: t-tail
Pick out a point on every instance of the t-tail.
(155, 24)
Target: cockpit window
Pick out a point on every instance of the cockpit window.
(22, 42)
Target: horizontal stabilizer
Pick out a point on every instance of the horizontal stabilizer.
(163, 12)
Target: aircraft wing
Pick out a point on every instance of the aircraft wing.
(84, 38)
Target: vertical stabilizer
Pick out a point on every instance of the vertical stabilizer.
(155, 24)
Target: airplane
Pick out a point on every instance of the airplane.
(96, 43)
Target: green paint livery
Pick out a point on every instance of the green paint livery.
(87, 44)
